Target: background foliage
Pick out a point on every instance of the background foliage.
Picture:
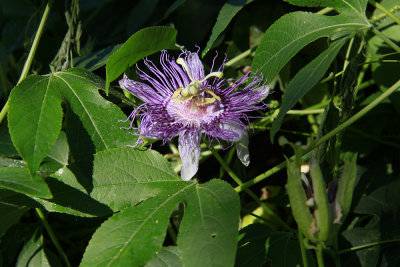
(322, 188)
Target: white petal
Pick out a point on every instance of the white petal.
(241, 140)
(242, 149)
(189, 149)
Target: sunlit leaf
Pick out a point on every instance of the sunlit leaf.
(142, 43)
(344, 6)
(34, 118)
(291, 33)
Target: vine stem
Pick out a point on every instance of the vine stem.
(384, 10)
(238, 58)
(320, 255)
(52, 236)
(31, 54)
(302, 249)
(324, 138)
(368, 245)
(249, 192)
(385, 39)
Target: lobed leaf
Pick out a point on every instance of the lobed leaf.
(35, 113)
(207, 235)
(304, 80)
(123, 177)
(291, 33)
(132, 236)
(226, 14)
(141, 44)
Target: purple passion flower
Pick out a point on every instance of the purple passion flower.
(180, 99)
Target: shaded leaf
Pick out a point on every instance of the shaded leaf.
(6, 145)
(226, 14)
(58, 156)
(96, 59)
(70, 197)
(142, 43)
(9, 215)
(367, 257)
(251, 245)
(20, 180)
(304, 80)
(291, 33)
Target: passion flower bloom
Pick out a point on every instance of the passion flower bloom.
(180, 99)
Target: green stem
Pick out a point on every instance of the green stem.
(238, 58)
(302, 249)
(384, 10)
(305, 111)
(385, 39)
(320, 255)
(52, 236)
(368, 245)
(32, 53)
(324, 138)
(266, 209)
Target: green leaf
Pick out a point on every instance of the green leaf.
(291, 33)
(99, 117)
(143, 43)
(251, 245)
(33, 253)
(96, 59)
(304, 80)
(70, 197)
(343, 6)
(20, 180)
(259, 243)
(226, 14)
(367, 257)
(58, 156)
(123, 177)
(9, 215)
(6, 145)
(166, 257)
(208, 231)
(134, 235)
(35, 113)
(34, 118)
